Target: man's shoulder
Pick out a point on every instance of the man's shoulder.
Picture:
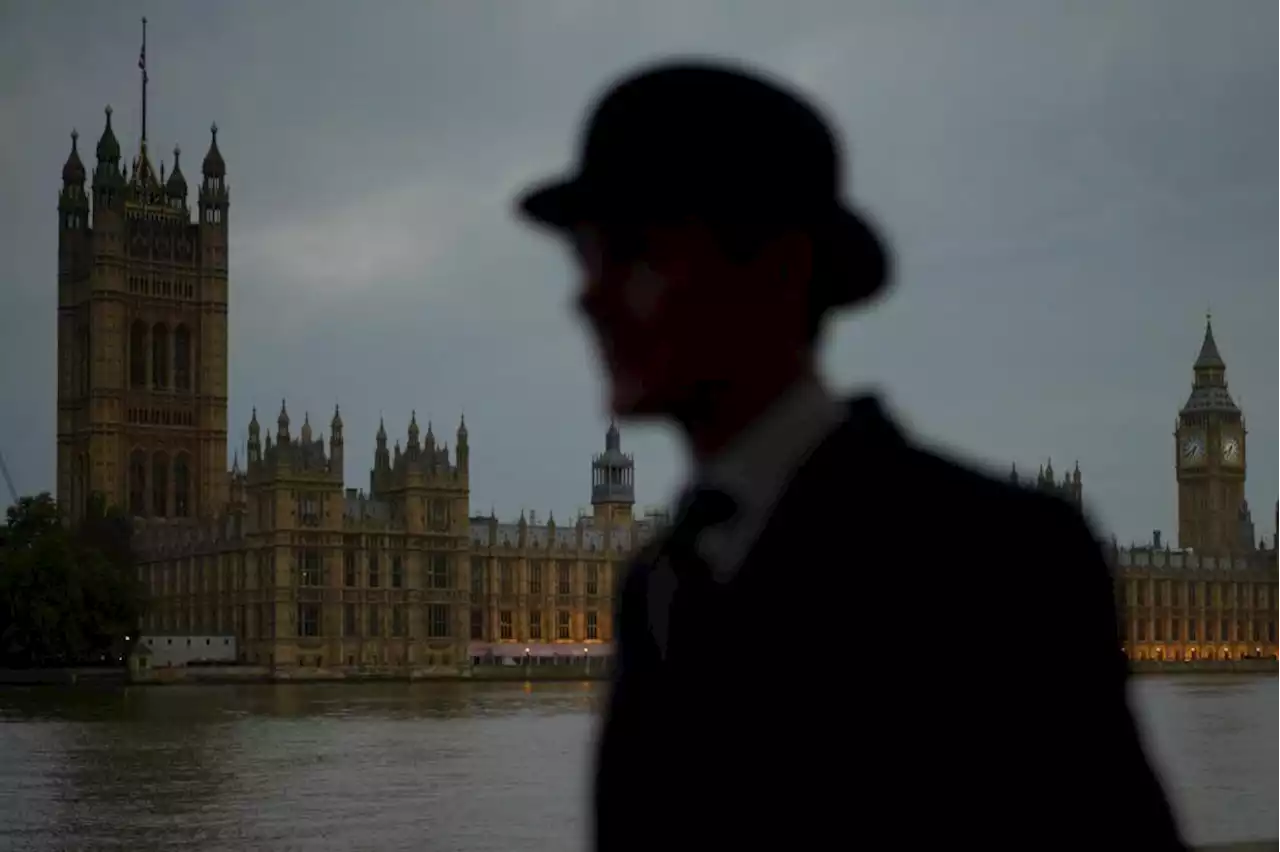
(640, 566)
(965, 489)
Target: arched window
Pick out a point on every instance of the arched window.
(181, 358)
(138, 354)
(138, 483)
(86, 493)
(160, 355)
(181, 486)
(159, 485)
(75, 481)
(85, 359)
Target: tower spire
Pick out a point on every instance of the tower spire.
(142, 66)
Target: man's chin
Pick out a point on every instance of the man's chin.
(635, 404)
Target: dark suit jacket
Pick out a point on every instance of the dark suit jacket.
(865, 681)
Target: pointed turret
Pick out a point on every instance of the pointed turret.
(176, 186)
(108, 150)
(613, 480)
(282, 425)
(213, 166)
(379, 476)
(413, 430)
(73, 204)
(306, 427)
(214, 197)
(108, 181)
(463, 454)
(335, 442)
(1209, 358)
(1209, 391)
(73, 171)
(255, 440)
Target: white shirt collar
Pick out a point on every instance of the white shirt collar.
(756, 466)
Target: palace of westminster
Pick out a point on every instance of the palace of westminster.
(307, 573)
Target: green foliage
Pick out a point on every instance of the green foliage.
(68, 595)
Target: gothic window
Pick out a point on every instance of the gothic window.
(535, 577)
(593, 579)
(308, 619)
(86, 492)
(438, 573)
(181, 358)
(477, 576)
(438, 618)
(84, 358)
(310, 570)
(160, 355)
(75, 481)
(564, 579)
(138, 483)
(439, 515)
(397, 571)
(593, 627)
(477, 623)
(506, 625)
(562, 625)
(138, 354)
(535, 624)
(159, 484)
(181, 487)
(506, 577)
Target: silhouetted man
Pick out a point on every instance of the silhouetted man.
(843, 639)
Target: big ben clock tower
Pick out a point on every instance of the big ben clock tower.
(1210, 457)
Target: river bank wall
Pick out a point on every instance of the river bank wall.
(245, 674)
(100, 677)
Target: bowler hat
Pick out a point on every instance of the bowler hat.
(725, 145)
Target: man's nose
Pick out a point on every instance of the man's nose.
(593, 302)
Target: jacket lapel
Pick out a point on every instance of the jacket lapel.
(844, 475)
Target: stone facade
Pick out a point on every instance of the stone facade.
(302, 570)
(142, 334)
(1214, 597)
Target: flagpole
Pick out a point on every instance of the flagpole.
(142, 65)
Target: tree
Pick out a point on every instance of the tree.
(67, 595)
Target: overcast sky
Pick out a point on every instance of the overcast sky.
(1070, 186)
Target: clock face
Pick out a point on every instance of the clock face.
(1193, 449)
(1231, 451)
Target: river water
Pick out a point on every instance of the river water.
(456, 767)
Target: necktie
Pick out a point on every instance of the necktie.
(700, 508)
(681, 572)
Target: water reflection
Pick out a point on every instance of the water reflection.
(1216, 743)
(305, 766)
(459, 767)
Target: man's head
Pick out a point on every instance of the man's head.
(681, 308)
(706, 221)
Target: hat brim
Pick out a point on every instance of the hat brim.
(558, 204)
(852, 263)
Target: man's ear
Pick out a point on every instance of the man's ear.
(783, 274)
(789, 257)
